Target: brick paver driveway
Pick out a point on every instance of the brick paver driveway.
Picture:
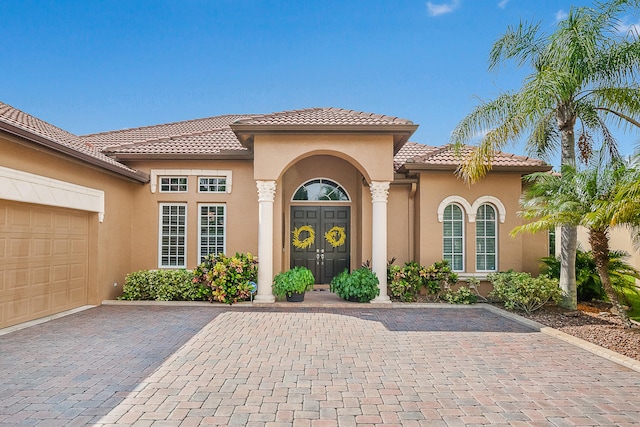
(170, 366)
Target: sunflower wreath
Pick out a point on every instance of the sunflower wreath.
(306, 243)
(336, 236)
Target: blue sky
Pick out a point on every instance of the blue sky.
(91, 66)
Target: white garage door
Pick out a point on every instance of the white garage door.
(43, 261)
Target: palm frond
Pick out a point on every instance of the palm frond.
(521, 43)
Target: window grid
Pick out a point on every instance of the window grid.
(173, 184)
(453, 237)
(486, 237)
(211, 232)
(173, 235)
(321, 189)
(211, 184)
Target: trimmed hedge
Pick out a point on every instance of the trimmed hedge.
(163, 285)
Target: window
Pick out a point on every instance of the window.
(212, 230)
(173, 235)
(453, 240)
(212, 184)
(321, 190)
(173, 184)
(486, 230)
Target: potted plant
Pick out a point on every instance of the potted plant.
(293, 284)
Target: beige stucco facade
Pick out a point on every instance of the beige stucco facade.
(388, 210)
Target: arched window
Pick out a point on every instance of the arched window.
(319, 190)
(453, 236)
(486, 238)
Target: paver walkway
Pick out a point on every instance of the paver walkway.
(185, 366)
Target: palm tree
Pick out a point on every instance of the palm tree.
(583, 77)
(581, 198)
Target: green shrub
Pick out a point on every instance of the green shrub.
(439, 276)
(162, 285)
(520, 291)
(588, 283)
(405, 282)
(297, 280)
(230, 279)
(463, 295)
(361, 285)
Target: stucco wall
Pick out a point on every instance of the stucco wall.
(519, 253)
(372, 155)
(109, 251)
(241, 210)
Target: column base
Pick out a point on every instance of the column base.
(381, 299)
(264, 299)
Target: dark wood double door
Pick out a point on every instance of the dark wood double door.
(326, 258)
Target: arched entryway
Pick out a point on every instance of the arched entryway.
(320, 222)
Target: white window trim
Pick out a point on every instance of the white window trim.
(20, 186)
(156, 173)
(466, 206)
(212, 176)
(464, 243)
(174, 177)
(224, 246)
(489, 200)
(495, 237)
(186, 234)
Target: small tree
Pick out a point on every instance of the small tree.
(581, 198)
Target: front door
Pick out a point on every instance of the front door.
(320, 240)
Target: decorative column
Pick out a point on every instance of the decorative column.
(266, 195)
(379, 193)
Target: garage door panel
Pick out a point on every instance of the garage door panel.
(40, 305)
(17, 278)
(43, 261)
(19, 247)
(41, 247)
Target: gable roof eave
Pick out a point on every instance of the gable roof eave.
(246, 132)
(122, 170)
(412, 166)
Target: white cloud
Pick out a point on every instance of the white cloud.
(503, 4)
(624, 28)
(560, 15)
(441, 9)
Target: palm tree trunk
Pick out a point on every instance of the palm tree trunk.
(566, 120)
(599, 241)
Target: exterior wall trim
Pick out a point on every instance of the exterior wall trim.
(502, 212)
(155, 173)
(454, 199)
(472, 209)
(26, 187)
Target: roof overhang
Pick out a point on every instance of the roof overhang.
(68, 151)
(247, 132)
(419, 167)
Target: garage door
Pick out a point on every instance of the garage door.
(43, 261)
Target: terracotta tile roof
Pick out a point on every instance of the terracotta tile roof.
(324, 116)
(445, 157)
(28, 126)
(216, 141)
(411, 150)
(215, 130)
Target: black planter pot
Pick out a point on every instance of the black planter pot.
(295, 297)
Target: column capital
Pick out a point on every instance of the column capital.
(379, 191)
(266, 191)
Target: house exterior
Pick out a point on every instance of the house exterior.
(323, 187)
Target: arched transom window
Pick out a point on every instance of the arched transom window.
(321, 190)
